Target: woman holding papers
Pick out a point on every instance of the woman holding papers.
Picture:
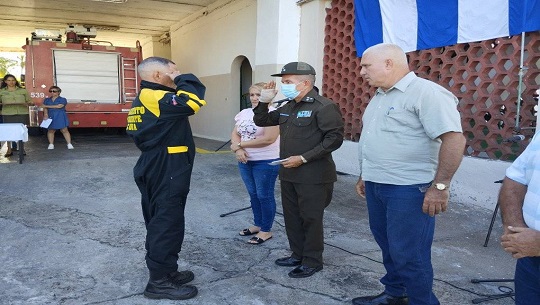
(255, 147)
(54, 108)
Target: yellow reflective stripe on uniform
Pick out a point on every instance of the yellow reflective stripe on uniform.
(150, 100)
(193, 105)
(177, 149)
(195, 102)
(192, 96)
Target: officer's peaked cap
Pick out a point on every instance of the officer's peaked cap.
(296, 68)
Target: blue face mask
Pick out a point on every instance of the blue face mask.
(289, 90)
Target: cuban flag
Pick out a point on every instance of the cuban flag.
(425, 24)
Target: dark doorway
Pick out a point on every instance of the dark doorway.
(245, 83)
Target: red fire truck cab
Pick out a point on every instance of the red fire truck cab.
(99, 81)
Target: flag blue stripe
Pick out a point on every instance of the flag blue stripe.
(524, 16)
(532, 16)
(368, 24)
(516, 14)
(437, 23)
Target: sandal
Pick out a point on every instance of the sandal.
(257, 240)
(247, 232)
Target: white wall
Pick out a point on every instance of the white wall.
(152, 47)
(207, 44)
(210, 43)
(277, 37)
(312, 24)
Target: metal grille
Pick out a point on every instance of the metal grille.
(483, 75)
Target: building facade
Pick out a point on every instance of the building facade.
(234, 43)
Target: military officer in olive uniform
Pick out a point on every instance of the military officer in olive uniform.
(311, 128)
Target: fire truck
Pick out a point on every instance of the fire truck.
(99, 80)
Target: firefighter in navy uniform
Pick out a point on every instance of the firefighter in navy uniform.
(158, 123)
(311, 128)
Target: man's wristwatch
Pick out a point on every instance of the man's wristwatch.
(440, 186)
(303, 159)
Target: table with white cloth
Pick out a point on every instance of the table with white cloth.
(16, 132)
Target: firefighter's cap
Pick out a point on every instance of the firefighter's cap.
(296, 68)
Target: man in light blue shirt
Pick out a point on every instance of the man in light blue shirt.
(410, 147)
(519, 200)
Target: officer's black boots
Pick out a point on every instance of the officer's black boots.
(172, 286)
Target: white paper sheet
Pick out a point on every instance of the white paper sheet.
(46, 123)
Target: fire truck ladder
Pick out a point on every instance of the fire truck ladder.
(130, 79)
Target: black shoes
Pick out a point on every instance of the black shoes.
(172, 287)
(288, 261)
(304, 271)
(301, 270)
(381, 299)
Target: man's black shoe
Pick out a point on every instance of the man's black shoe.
(172, 287)
(381, 299)
(288, 261)
(304, 271)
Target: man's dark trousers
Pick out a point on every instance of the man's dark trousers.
(527, 280)
(163, 180)
(303, 210)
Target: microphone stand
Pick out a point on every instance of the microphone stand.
(493, 296)
(235, 211)
(493, 217)
(228, 141)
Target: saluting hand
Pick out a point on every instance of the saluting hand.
(174, 74)
(268, 92)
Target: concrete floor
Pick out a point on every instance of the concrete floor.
(71, 232)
